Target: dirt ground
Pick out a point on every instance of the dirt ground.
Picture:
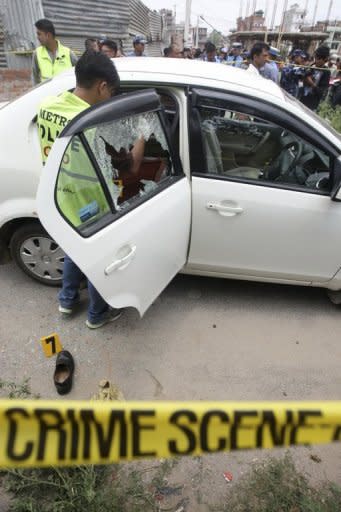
(203, 339)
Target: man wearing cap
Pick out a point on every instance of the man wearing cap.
(138, 42)
(293, 74)
(235, 59)
(223, 55)
(270, 70)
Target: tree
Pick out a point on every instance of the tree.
(216, 38)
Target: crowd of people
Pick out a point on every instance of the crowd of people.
(311, 79)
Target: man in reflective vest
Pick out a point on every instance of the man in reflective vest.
(96, 80)
(234, 58)
(51, 58)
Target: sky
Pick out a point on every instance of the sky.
(222, 14)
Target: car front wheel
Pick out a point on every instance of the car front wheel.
(334, 296)
(37, 254)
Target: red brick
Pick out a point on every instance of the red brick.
(14, 82)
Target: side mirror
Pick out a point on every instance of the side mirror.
(336, 190)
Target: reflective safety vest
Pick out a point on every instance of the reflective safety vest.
(55, 112)
(49, 68)
(79, 193)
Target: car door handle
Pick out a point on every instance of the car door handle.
(121, 263)
(224, 209)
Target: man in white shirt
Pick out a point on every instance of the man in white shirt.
(259, 54)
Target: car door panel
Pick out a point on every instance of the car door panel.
(264, 220)
(132, 260)
(129, 254)
(274, 232)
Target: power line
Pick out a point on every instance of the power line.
(215, 29)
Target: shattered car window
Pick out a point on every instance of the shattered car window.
(123, 160)
(132, 154)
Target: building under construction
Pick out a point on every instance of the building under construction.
(293, 32)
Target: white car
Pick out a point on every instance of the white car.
(237, 180)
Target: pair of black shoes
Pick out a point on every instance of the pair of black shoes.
(63, 374)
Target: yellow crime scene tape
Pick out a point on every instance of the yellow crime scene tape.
(39, 433)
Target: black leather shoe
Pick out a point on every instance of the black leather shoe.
(64, 372)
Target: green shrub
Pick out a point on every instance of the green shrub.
(277, 486)
(331, 115)
(110, 488)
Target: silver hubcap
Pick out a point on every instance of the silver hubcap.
(42, 257)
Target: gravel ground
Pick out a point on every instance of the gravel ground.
(203, 339)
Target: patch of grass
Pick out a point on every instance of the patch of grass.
(111, 488)
(9, 389)
(276, 485)
(58, 490)
(331, 115)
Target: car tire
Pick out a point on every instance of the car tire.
(37, 254)
(334, 296)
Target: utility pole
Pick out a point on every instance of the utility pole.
(305, 12)
(266, 10)
(197, 34)
(335, 24)
(266, 24)
(240, 15)
(280, 33)
(187, 21)
(273, 15)
(247, 8)
(315, 11)
(329, 11)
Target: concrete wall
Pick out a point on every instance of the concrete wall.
(18, 19)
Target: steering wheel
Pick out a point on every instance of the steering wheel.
(296, 149)
(281, 170)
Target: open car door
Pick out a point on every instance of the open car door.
(114, 197)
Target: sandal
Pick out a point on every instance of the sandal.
(64, 372)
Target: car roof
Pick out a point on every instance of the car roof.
(195, 72)
(161, 70)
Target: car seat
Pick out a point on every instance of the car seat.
(212, 147)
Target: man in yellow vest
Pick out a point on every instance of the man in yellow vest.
(51, 58)
(96, 80)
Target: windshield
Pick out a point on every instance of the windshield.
(311, 113)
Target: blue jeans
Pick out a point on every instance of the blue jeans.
(69, 294)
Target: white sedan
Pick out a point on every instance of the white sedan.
(236, 180)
